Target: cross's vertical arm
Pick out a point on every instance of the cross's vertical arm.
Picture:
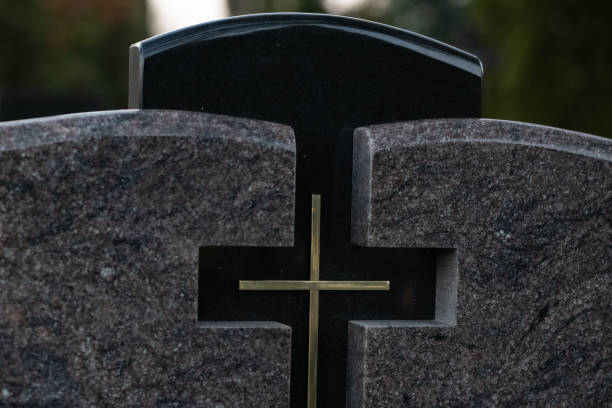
(313, 344)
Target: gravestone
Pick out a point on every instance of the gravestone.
(322, 75)
(134, 244)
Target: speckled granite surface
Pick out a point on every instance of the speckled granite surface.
(529, 209)
(101, 216)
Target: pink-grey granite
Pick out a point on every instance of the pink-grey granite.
(528, 210)
(101, 217)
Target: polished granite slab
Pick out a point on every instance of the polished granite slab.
(527, 210)
(101, 219)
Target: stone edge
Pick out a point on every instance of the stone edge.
(357, 352)
(361, 195)
(23, 134)
(431, 131)
(236, 325)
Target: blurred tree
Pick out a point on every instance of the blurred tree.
(238, 7)
(66, 46)
(444, 20)
(553, 62)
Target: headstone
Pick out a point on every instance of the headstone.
(526, 210)
(173, 258)
(322, 75)
(101, 217)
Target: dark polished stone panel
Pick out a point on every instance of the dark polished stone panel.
(101, 217)
(319, 74)
(529, 210)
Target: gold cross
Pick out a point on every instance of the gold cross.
(314, 285)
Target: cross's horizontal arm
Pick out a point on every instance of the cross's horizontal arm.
(312, 285)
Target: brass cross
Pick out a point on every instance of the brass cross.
(314, 285)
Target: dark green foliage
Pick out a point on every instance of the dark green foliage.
(553, 64)
(69, 46)
(239, 7)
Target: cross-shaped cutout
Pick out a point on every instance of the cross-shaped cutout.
(411, 296)
(314, 285)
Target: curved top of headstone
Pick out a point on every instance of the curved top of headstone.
(311, 71)
(248, 24)
(394, 136)
(23, 134)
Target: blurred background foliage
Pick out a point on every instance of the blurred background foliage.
(64, 53)
(545, 62)
(551, 62)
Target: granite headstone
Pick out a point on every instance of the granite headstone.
(527, 212)
(120, 230)
(101, 217)
(323, 75)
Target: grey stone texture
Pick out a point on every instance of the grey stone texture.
(101, 217)
(529, 211)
